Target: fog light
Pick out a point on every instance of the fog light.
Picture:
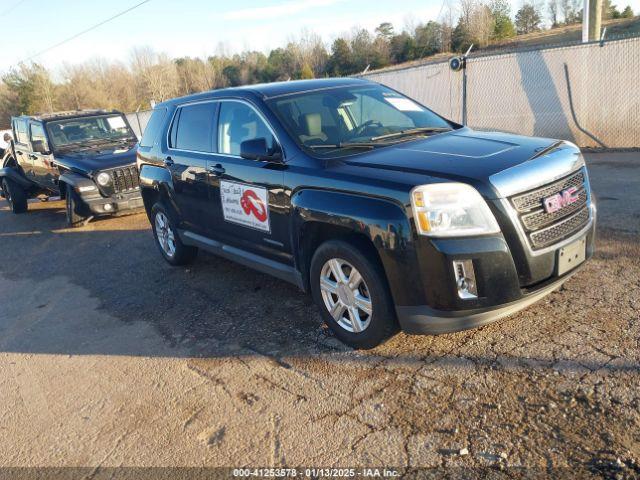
(465, 279)
(108, 207)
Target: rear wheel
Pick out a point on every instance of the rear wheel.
(167, 239)
(74, 208)
(15, 196)
(352, 293)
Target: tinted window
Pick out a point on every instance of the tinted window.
(37, 133)
(238, 122)
(195, 127)
(21, 132)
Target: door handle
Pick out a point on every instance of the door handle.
(216, 170)
(168, 162)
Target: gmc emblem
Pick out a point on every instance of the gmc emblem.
(560, 200)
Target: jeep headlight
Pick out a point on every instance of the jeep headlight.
(103, 179)
(451, 210)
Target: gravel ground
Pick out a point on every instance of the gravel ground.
(109, 358)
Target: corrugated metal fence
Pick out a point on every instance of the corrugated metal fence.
(588, 93)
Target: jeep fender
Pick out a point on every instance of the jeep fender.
(16, 176)
(383, 222)
(76, 181)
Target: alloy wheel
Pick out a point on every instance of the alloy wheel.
(346, 295)
(165, 235)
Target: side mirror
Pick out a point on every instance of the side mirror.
(40, 147)
(7, 138)
(257, 149)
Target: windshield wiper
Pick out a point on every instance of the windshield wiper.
(411, 131)
(346, 145)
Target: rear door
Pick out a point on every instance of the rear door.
(190, 145)
(251, 191)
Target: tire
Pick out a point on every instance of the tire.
(75, 209)
(366, 298)
(167, 239)
(15, 196)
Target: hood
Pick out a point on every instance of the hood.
(462, 155)
(101, 158)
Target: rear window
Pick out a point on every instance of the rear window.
(153, 127)
(195, 128)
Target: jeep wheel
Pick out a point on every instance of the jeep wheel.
(167, 239)
(15, 196)
(353, 295)
(74, 208)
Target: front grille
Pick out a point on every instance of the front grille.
(544, 229)
(125, 179)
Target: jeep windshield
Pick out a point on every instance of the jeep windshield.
(90, 132)
(347, 120)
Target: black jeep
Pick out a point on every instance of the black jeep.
(85, 157)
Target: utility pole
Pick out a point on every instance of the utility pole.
(591, 20)
(595, 19)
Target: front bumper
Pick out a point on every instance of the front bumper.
(423, 320)
(117, 203)
(501, 292)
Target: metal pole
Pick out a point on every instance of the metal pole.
(585, 21)
(464, 95)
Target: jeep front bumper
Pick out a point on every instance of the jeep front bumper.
(117, 203)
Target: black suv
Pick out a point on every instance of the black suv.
(85, 157)
(389, 214)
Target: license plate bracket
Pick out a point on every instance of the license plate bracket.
(571, 256)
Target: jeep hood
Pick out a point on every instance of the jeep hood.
(97, 159)
(482, 159)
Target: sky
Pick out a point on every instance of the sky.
(191, 27)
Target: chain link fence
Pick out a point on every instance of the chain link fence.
(586, 93)
(138, 121)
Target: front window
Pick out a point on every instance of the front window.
(342, 120)
(238, 123)
(89, 131)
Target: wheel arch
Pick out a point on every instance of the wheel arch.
(156, 185)
(378, 227)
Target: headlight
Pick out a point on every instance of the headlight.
(103, 179)
(451, 210)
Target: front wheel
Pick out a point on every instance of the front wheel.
(15, 196)
(74, 208)
(167, 239)
(353, 295)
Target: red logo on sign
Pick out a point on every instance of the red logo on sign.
(561, 200)
(251, 204)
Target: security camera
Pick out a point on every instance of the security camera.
(456, 63)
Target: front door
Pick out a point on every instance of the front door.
(21, 146)
(191, 143)
(44, 171)
(251, 192)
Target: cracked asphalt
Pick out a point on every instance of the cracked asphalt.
(109, 357)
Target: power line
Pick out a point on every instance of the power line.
(73, 37)
(12, 8)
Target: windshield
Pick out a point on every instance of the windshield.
(89, 130)
(338, 121)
